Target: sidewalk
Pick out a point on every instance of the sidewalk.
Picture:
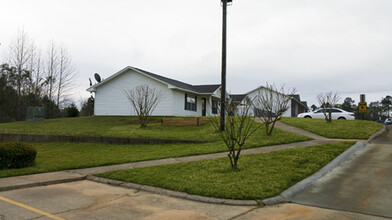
(17, 182)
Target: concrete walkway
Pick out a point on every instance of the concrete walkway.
(299, 131)
(17, 182)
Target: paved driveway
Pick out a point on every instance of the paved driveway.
(362, 185)
(91, 200)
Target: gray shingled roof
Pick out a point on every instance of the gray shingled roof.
(182, 85)
(296, 96)
(198, 89)
(305, 104)
(237, 97)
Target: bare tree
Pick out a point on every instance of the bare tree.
(51, 66)
(26, 58)
(327, 101)
(144, 100)
(66, 74)
(239, 126)
(34, 67)
(18, 57)
(36, 79)
(51, 70)
(270, 104)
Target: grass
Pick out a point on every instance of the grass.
(344, 129)
(63, 156)
(259, 176)
(112, 126)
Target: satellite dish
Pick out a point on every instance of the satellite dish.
(97, 77)
(90, 82)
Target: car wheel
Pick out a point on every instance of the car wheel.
(307, 116)
(342, 118)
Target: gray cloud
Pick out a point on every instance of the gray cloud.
(313, 45)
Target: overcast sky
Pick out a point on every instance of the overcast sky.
(313, 45)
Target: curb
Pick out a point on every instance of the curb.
(378, 133)
(300, 186)
(42, 183)
(167, 192)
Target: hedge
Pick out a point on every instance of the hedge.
(16, 155)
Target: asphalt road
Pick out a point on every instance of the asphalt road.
(361, 185)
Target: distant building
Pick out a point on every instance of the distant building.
(296, 106)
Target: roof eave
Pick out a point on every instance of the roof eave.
(91, 89)
(184, 90)
(94, 87)
(299, 102)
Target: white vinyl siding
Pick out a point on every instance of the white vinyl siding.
(111, 100)
(285, 114)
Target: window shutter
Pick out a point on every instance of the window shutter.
(195, 103)
(185, 101)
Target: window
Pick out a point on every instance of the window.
(261, 113)
(214, 107)
(334, 110)
(190, 102)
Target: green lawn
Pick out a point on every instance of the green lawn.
(109, 126)
(259, 176)
(344, 129)
(63, 156)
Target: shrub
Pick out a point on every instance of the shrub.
(16, 155)
(72, 111)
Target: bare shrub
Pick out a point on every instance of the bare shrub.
(144, 100)
(270, 104)
(239, 126)
(327, 101)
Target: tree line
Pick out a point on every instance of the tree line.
(30, 77)
(376, 111)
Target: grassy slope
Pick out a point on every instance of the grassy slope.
(260, 175)
(62, 156)
(345, 129)
(109, 126)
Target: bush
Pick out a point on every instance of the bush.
(72, 111)
(16, 155)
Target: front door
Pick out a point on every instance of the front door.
(203, 106)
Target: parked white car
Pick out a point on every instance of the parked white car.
(337, 113)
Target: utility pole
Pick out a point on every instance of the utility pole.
(223, 68)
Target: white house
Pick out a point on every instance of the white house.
(296, 106)
(181, 99)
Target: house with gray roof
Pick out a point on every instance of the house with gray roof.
(296, 106)
(180, 99)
